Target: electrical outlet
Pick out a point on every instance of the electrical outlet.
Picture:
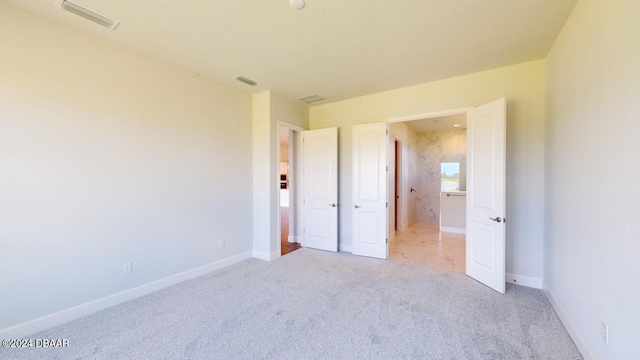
(126, 267)
(604, 332)
(222, 243)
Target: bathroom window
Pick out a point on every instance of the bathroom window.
(450, 176)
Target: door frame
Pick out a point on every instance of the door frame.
(395, 154)
(295, 152)
(404, 197)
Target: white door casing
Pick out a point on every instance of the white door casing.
(486, 194)
(370, 216)
(320, 189)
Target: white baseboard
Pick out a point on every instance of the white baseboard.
(295, 239)
(521, 280)
(573, 333)
(345, 248)
(266, 256)
(76, 312)
(453, 230)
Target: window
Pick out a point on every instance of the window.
(450, 176)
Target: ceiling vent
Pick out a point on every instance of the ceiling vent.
(312, 99)
(88, 14)
(246, 80)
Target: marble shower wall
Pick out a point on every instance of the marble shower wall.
(412, 158)
(432, 149)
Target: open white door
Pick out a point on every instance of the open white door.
(486, 194)
(320, 189)
(370, 190)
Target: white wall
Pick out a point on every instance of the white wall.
(109, 156)
(592, 226)
(524, 87)
(270, 108)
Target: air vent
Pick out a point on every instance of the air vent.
(246, 80)
(312, 99)
(88, 14)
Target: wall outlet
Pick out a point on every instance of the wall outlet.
(222, 243)
(604, 332)
(127, 267)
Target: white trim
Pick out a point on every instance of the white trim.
(296, 215)
(522, 280)
(266, 256)
(345, 247)
(453, 230)
(573, 333)
(428, 115)
(76, 312)
(290, 126)
(294, 239)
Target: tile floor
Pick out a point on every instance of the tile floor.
(424, 245)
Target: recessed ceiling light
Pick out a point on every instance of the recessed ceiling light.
(297, 4)
(456, 125)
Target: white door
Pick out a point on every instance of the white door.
(486, 194)
(370, 190)
(320, 189)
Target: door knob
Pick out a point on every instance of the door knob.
(357, 207)
(498, 219)
(333, 205)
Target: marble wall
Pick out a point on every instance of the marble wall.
(412, 158)
(432, 149)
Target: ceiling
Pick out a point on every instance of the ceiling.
(336, 49)
(438, 123)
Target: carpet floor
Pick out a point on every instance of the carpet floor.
(318, 305)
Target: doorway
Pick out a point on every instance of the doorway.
(485, 241)
(435, 161)
(287, 187)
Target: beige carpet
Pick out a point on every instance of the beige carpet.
(313, 304)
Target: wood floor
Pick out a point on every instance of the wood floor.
(424, 245)
(286, 247)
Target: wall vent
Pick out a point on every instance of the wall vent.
(312, 99)
(88, 14)
(246, 80)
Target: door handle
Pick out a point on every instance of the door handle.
(333, 205)
(498, 219)
(357, 207)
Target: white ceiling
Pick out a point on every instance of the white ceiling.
(439, 123)
(336, 49)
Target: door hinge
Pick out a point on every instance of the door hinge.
(387, 169)
(387, 132)
(387, 240)
(387, 204)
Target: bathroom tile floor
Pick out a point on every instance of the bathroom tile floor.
(424, 245)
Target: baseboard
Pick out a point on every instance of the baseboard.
(295, 239)
(573, 333)
(76, 312)
(521, 280)
(266, 256)
(345, 248)
(453, 230)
